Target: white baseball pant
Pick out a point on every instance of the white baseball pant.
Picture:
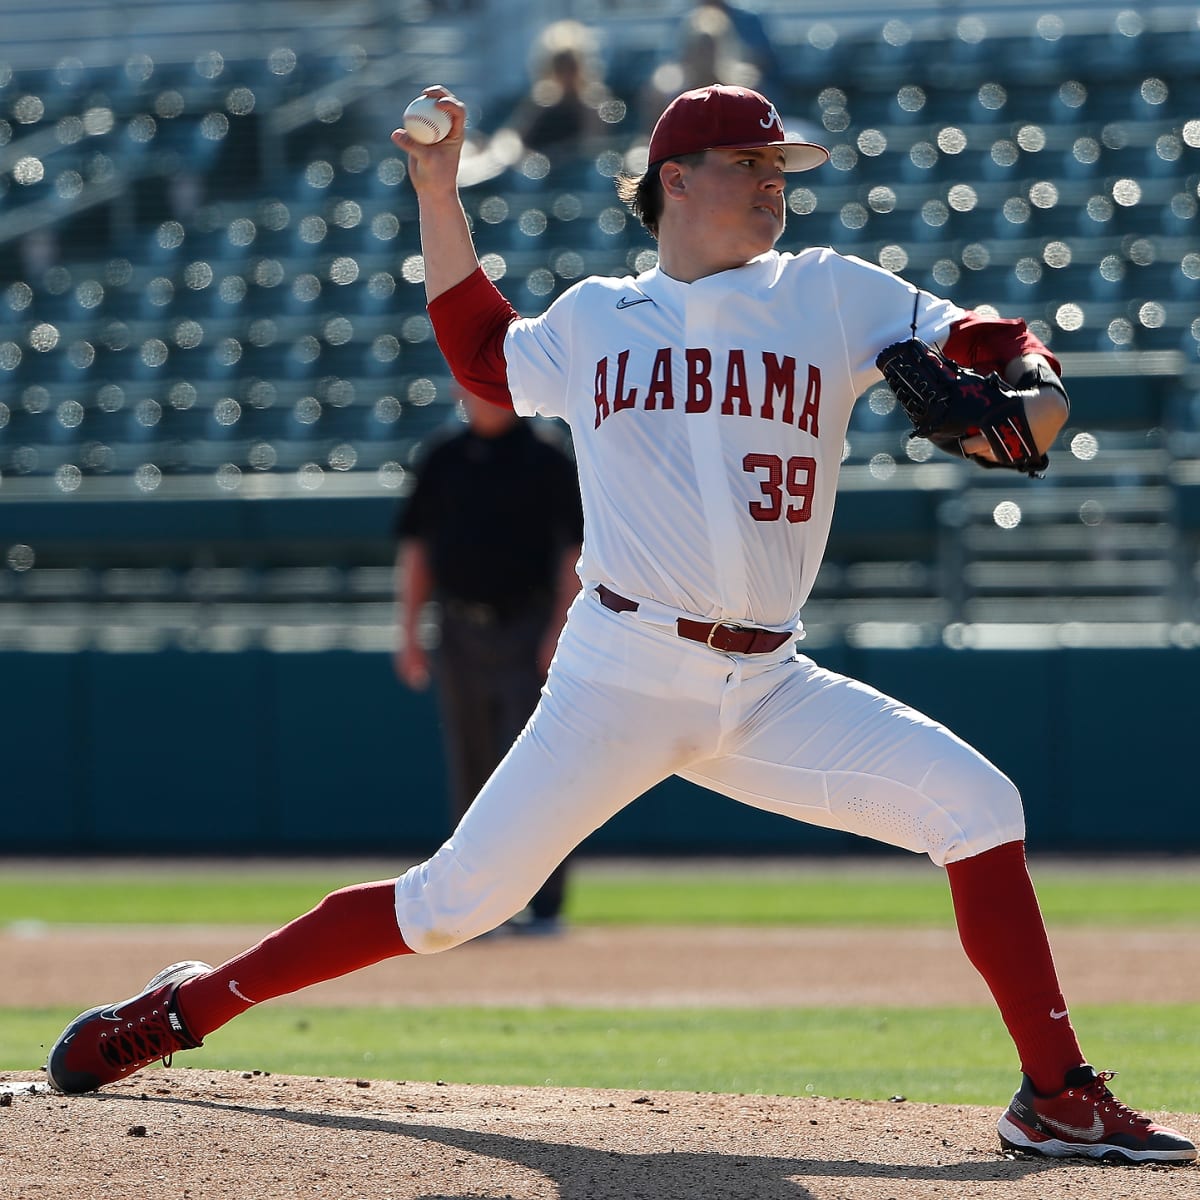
(629, 703)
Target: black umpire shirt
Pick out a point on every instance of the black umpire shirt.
(495, 515)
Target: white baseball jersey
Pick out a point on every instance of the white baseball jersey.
(721, 404)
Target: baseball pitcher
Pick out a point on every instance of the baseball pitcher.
(708, 400)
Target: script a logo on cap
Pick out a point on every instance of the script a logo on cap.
(772, 119)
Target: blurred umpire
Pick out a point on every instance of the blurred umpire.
(491, 533)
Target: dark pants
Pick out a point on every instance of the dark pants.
(488, 685)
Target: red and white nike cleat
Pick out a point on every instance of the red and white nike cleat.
(107, 1043)
(1086, 1120)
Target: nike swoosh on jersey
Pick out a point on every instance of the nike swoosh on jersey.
(630, 301)
(1085, 1133)
(1055, 1015)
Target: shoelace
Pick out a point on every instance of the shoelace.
(151, 1039)
(1097, 1093)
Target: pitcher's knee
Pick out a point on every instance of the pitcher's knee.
(439, 905)
(990, 815)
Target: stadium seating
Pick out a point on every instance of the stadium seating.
(211, 291)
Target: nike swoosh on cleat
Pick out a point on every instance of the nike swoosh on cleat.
(630, 301)
(1084, 1133)
(111, 1014)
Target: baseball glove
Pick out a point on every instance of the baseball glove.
(947, 402)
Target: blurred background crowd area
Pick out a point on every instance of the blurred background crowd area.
(216, 370)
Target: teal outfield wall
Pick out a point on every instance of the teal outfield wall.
(308, 753)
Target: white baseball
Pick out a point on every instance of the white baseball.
(425, 122)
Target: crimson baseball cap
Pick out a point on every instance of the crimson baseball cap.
(723, 116)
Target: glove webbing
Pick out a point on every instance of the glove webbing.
(925, 404)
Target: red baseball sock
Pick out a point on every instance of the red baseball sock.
(1001, 928)
(349, 929)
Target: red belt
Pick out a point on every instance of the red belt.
(717, 635)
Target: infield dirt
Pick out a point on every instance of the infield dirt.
(209, 1135)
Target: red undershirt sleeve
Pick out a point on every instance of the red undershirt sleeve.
(990, 343)
(469, 321)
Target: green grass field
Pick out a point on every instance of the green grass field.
(949, 1055)
(890, 892)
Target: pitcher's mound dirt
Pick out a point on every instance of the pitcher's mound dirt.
(211, 1135)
